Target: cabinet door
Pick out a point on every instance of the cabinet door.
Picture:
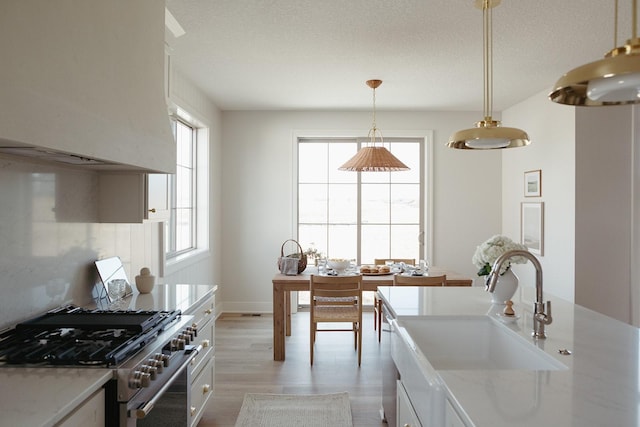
(157, 206)
(88, 414)
(405, 414)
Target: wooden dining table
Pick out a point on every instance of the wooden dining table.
(283, 285)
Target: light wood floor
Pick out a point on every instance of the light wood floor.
(244, 363)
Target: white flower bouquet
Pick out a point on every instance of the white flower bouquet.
(491, 249)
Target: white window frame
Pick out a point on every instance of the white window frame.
(426, 239)
(200, 249)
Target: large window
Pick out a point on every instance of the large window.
(360, 216)
(186, 233)
(182, 191)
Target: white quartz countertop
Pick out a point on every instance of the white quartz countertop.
(601, 386)
(41, 397)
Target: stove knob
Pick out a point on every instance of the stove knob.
(162, 358)
(151, 370)
(156, 364)
(177, 344)
(181, 344)
(185, 337)
(139, 380)
(193, 331)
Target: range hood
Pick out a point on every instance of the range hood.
(83, 83)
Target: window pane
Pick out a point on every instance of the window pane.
(375, 203)
(312, 203)
(183, 229)
(343, 203)
(375, 242)
(184, 143)
(404, 241)
(313, 235)
(184, 182)
(405, 203)
(342, 241)
(409, 154)
(339, 153)
(312, 162)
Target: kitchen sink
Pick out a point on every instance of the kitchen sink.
(472, 342)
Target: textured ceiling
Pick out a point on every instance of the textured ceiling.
(317, 54)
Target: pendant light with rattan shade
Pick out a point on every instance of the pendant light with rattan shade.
(374, 158)
(614, 80)
(488, 133)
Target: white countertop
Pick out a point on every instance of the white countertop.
(601, 386)
(43, 396)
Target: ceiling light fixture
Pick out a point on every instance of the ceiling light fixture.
(614, 80)
(488, 134)
(374, 158)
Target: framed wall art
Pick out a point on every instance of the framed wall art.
(533, 183)
(532, 226)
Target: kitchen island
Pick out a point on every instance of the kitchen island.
(61, 396)
(600, 385)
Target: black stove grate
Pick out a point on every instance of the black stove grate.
(72, 336)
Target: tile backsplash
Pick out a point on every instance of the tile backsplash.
(50, 238)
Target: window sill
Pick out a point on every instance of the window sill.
(183, 261)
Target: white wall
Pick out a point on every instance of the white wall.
(258, 180)
(551, 130)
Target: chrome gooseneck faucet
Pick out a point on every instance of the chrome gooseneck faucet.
(540, 317)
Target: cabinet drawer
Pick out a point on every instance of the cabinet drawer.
(201, 391)
(90, 413)
(204, 312)
(204, 338)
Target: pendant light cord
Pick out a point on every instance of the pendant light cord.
(488, 60)
(374, 129)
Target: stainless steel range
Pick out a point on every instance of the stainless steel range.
(149, 352)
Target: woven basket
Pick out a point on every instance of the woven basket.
(302, 258)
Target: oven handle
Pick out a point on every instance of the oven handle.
(144, 411)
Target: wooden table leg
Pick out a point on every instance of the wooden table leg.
(278, 322)
(287, 313)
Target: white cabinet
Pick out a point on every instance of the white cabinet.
(203, 365)
(158, 202)
(405, 415)
(89, 413)
(132, 197)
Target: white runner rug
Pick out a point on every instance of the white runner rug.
(283, 410)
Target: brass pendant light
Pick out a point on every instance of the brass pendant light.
(488, 133)
(374, 158)
(614, 80)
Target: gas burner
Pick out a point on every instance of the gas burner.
(76, 336)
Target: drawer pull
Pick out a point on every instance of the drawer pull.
(206, 388)
(192, 410)
(205, 343)
(208, 311)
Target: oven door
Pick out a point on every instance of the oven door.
(165, 403)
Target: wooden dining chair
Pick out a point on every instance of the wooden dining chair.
(401, 280)
(340, 287)
(408, 261)
(377, 304)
